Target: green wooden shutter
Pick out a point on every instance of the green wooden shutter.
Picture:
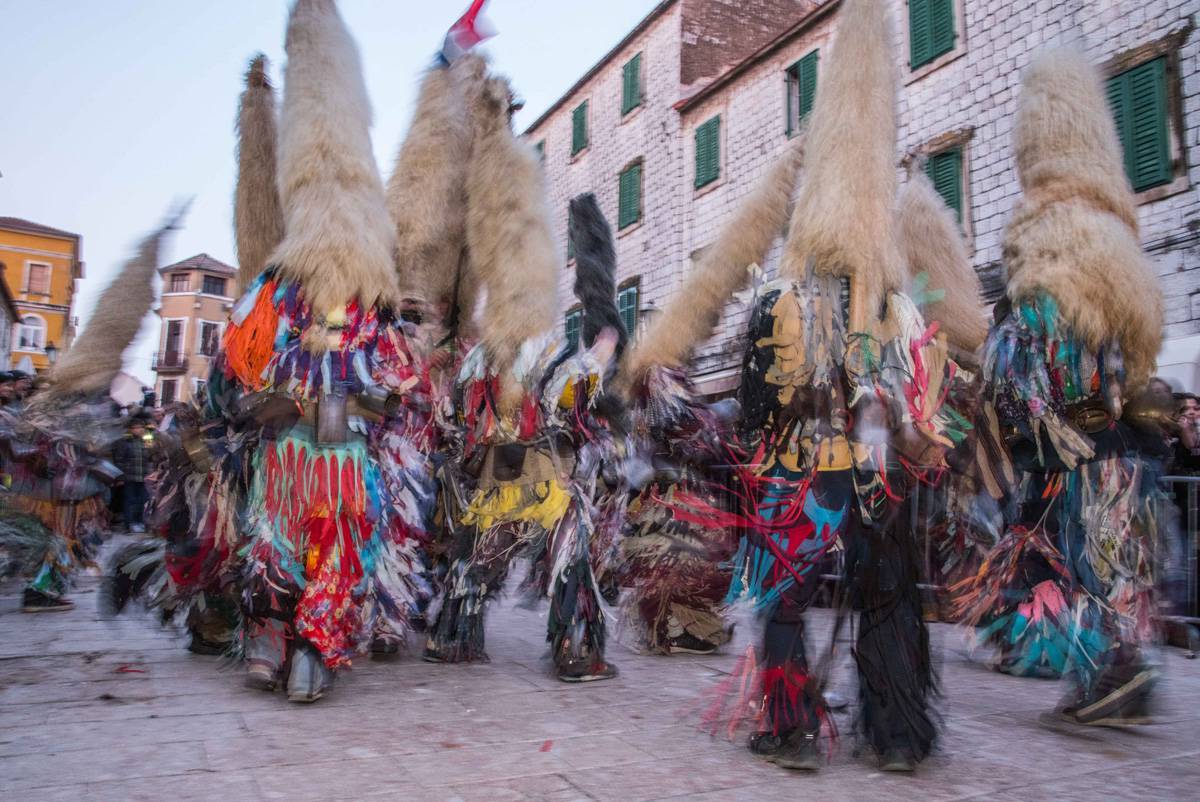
(629, 196)
(945, 171)
(930, 30)
(1139, 102)
(579, 128)
(571, 327)
(627, 306)
(802, 90)
(631, 87)
(708, 152)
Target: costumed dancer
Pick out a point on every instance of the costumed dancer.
(339, 492)
(1069, 586)
(841, 400)
(189, 568)
(55, 449)
(530, 436)
(956, 506)
(680, 531)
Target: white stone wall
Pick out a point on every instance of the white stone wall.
(975, 87)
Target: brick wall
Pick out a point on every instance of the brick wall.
(970, 93)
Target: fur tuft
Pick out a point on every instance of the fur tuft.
(722, 270)
(931, 243)
(427, 194)
(1074, 232)
(257, 218)
(508, 236)
(843, 220)
(338, 241)
(595, 271)
(95, 358)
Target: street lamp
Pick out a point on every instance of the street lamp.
(51, 353)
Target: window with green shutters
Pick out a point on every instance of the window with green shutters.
(579, 128)
(708, 152)
(930, 30)
(801, 90)
(1139, 102)
(571, 326)
(627, 306)
(631, 84)
(629, 196)
(945, 171)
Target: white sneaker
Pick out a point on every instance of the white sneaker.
(137, 529)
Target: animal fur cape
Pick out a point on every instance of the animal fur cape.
(595, 271)
(258, 220)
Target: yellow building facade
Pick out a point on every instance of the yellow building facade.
(41, 267)
(196, 300)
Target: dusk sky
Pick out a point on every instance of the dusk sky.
(113, 110)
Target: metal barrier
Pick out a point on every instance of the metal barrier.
(1182, 496)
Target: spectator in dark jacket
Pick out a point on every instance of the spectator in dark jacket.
(132, 456)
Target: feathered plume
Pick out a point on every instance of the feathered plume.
(931, 243)
(595, 270)
(1074, 233)
(508, 235)
(427, 193)
(94, 360)
(338, 240)
(722, 270)
(843, 220)
(258, 220)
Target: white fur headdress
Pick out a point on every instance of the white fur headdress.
(1074, 232)
(338, 239)
(258, 220)
(844, 218)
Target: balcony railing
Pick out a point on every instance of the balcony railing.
(170, 362)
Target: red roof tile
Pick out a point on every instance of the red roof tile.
(201, 261)
(28, 227)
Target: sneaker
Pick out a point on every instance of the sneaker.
(586, 671)
(766, 745)
(795, 751)
(35, 601)
(899, 760)
(690, 644)
(261, 676)
(1124, 700)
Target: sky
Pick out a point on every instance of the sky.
(113, 110)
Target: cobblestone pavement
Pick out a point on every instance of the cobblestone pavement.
(99, 710)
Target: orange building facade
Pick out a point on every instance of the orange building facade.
(41, 267)
(196, 300)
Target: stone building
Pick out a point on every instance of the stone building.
(674, 125)
(41, 267)
(197, 295)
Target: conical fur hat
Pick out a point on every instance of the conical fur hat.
(595, 271)
(843, 220)
(1074, 231)
(338, 238)
(95, 358)
(932, 243)
(511, 248)
(427, 195)
(258, 220)
(691, 315)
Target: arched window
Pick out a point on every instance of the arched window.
(31, 334)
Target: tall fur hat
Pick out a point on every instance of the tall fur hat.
(1074, 232)
(595, 270)
(339, 242)
(844, 217)
(508, 235)
(427, 192)
(932, 243)
(258, 220)
(691, 315)
(95, 358)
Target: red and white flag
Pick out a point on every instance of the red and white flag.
(471, 29)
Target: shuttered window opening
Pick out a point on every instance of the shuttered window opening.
(629, 196)
(579, 128)
(627, 306)
(931, 30)
(708, 152)
(945, 171)
(631, 84)
(801, 91)
(571, 327)
(1139, 103)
